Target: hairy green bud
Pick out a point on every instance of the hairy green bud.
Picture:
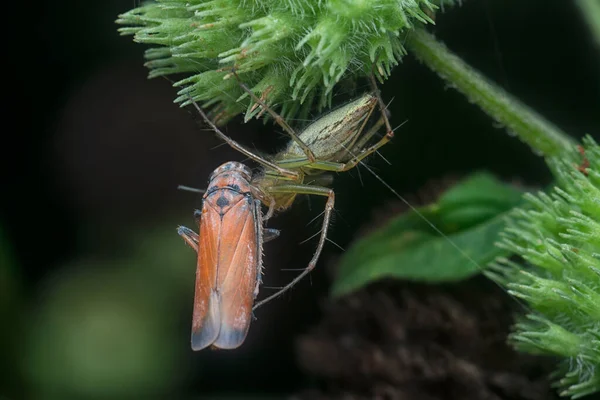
(558, 237)
(290, 53)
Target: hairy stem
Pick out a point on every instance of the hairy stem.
(591, 12)
(541, 135)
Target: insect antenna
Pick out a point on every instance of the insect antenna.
(190, 189)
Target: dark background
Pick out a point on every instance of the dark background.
(97, 287)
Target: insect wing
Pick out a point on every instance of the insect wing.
(229, 259)
(239, 265)
(206, 321)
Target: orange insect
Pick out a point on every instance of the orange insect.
(230, 261)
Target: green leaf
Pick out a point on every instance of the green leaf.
(470, 215)
(474, 200)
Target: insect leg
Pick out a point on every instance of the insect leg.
(359, 146)
(384, 120)
(235, 145)
(270, 234)
(382, 107)
(361, 153)
(271, 209)
(278, 119)
(314, 190)
(358, 152)
(190, 237)
(357, 158)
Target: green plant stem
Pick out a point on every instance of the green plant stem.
(591, 12)
(541, 135)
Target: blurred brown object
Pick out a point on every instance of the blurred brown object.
(398, 340)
